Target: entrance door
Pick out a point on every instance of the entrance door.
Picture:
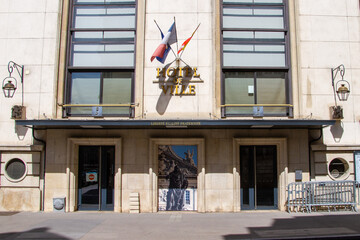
(96, 178)
(258, 177)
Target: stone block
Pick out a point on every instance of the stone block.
(20, 199)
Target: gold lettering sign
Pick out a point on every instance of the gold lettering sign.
(176, 81)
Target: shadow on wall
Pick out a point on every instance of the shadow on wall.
(306, 227)
(337, 131)
(21, 132)
(36, 233)
(168, 87)
(164, 98)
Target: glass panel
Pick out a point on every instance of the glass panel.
(253, 22)
(85, 89)
(239, 89)
(103, 55)
(270, 48)
(117, 37)
(104, 1)
(107, 183)
(254, 1)
(15, 169)
(247, 177)
(89, 178)
(96, 168)
(258, 177)
(104, 17)
(253, 36)
(271, 89)
(248, 17)
(266, 174)
(117, 90)
(254, 55)
(177, 177)
(270, 36)
(238, 36)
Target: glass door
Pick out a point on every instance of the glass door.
(96, 178)
(258, 177)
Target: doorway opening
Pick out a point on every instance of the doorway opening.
(96, 178)
(177, 180)
(258, 177)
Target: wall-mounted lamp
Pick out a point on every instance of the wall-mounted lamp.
(9, 84)
(342, 90)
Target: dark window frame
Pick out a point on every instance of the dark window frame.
(286, 69)
(101, 69)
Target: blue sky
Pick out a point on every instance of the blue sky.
(181, 149)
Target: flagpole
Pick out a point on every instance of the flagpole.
(173, 51)
(158, 26)
(177, 45)
(191, 37)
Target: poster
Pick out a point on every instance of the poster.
(177, 177)
(357, 165)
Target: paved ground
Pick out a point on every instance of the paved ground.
(173, 226)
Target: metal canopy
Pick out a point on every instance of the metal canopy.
(167, 124)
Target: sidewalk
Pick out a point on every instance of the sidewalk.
(222, 226)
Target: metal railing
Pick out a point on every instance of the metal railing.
(312, 196)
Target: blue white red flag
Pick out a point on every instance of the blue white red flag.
(163, 49)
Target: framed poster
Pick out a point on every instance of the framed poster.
(357, 165)
(177, 179)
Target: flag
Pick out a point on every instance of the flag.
(185, 43)
(163, 49)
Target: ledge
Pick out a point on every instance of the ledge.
(319, 148)
(171, 124)
(28, 148)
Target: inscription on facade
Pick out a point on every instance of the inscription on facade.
(177, 81)
(175, 123)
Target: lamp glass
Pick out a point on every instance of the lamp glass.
(343, 93)
(8, 87)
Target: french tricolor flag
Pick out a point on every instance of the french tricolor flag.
(163, 49)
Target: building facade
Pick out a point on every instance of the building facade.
(206, 106)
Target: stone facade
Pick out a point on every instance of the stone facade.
(323, 35)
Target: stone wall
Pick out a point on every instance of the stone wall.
(136, 173)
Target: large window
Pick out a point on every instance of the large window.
(101, 58)
(255, 59)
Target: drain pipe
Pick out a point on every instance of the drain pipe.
(310, 142)
(43, 170)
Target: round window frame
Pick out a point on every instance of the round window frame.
(10, 178)
(346, 167)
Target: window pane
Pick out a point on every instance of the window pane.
(238, 36)
(85, 89)
(252, 17)
(104, 1)
(251, 55)
(104, 17)
(271, 90)
(253, 36)
(15, 169)
(103, 55)
(125, 37)
(239, 90)
(254, 1)
(117, 90)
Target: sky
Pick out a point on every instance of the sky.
(181, 149)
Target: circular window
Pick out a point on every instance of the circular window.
(15, 169)
(338, 168)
